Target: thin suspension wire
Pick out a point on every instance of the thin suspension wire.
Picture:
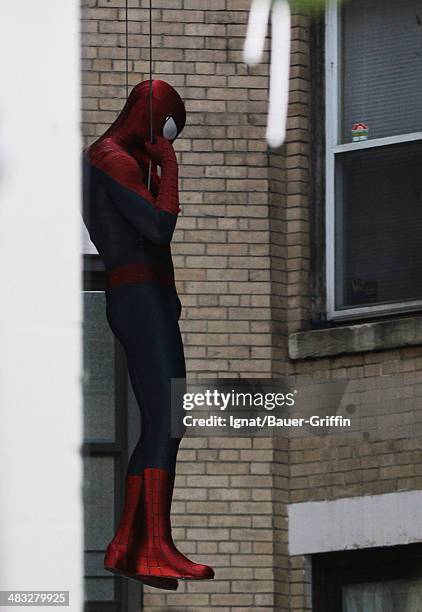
(127, 46)
(151, 131)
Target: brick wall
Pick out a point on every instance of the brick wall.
(243, 259)
(381, 458)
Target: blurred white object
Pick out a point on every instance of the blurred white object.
(3, 152)
(279, 74)
(257, 31)
(40, 307)
(280, 60)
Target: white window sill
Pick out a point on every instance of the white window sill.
(373, 336)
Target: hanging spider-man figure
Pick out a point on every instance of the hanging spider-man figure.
(132, 227)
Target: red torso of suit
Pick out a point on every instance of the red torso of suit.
(129, 224)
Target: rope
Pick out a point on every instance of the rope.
(151, 131)
(150, 72)
(127, 47)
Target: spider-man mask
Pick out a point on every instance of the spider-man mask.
(168, 114)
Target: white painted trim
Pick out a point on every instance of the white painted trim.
(331, 140)
(376, 310)
(356, 522)
(88, 247)
(377, 142)
(333, 148)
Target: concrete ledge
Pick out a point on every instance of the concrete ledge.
(355, 522)
(376, 336)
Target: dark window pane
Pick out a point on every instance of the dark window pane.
(94, 567)
(99, 589)
(98, 501)
(382, 66)
(379, 226)
(99, 371)
(391, 596)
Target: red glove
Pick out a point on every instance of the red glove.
(162, 152)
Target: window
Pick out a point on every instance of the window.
(373, 157)
(105, 442)
(370, 580)
(392, 595)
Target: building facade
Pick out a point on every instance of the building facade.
(301, 263)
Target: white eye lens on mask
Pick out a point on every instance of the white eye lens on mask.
(170, 129)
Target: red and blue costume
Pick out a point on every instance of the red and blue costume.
(132, 227)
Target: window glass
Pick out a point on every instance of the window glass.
(381, 67)
(105, 441)
(99, 474)
(99, 371)
(391, 596)
(100, 589)
(379, 225)
(98, 522)
(100, 585)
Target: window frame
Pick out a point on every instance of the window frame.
(331, 571)
(94, 281)
(332, 149)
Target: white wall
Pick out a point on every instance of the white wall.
(88, 247)
(40, 307)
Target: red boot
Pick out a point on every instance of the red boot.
(154, 552)
(115, 560)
